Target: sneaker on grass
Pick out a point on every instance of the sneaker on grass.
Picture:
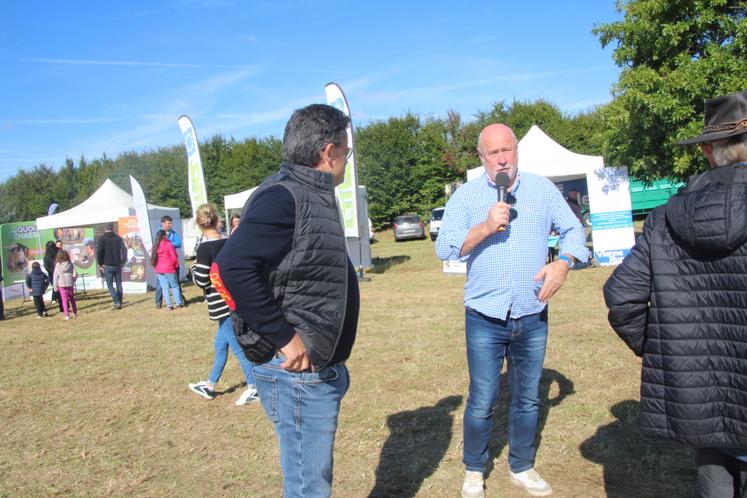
(203, 389)
(248, 396)
(531, 481)
(474, 485)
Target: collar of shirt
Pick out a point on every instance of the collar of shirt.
(513, 188)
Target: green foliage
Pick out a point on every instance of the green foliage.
(404, 162)
(673, 55)
(229, 166)
(27, 195)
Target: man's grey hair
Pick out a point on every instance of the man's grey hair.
(730, 151)
(309, 130)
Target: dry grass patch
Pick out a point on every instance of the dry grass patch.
(99, 405)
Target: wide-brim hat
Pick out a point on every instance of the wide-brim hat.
(724, 117)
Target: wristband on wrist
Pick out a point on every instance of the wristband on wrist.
(568, 261)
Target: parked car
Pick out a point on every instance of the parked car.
(408, 227)
(436, 217)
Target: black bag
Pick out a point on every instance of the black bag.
(256, 348)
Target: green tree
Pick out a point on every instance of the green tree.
(27, 195)
(386, 157)
(247, 164)
(673, 55)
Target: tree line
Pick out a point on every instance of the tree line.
(672, 55)
(404, 162)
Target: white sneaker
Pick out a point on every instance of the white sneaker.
(203, 389)
(474, 485)
(67, 318)
(531, 481)
(248, 396)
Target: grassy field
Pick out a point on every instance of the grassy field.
(99, 405)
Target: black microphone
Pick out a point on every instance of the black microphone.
(501, 183)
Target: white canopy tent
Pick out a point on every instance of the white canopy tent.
(541, 155)
(107, 205)
(359, 249)
(236, 201)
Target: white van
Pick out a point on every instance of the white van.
(435, 225)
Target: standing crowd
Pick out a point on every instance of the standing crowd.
(285, 298)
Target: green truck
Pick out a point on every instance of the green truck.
(645, 197)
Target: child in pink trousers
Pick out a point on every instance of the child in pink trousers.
(64, 281)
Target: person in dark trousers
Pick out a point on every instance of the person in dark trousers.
(679, 301)
(50, 260)
(176, 241)
(286, 273)
(37, 283)
(111, 255)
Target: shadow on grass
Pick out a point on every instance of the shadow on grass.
(380, 265)
(232, 389)
(635, 465)
(498, 438)
(417, 442)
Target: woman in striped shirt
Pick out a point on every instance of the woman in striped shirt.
(212, 242)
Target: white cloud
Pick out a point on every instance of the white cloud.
(91, 62)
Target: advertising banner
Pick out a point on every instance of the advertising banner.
(21, 245)
(133, 271)
(611, 218)
(79, 244)
(195, 176)
(141, 211)
(347, 192)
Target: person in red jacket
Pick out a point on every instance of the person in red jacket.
(166, 263)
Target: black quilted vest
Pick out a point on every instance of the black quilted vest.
(310, 283)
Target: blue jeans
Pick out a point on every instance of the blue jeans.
(168, 281)
(113, 274)
(522, 341)
(159, 290)
(304, 408)
(224, 339)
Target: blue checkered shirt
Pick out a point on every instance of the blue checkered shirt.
(501, 268)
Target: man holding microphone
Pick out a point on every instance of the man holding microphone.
(508, 286)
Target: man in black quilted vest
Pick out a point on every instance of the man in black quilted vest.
(285, 272)
(679, 300)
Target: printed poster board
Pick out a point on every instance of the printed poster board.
(611, 217)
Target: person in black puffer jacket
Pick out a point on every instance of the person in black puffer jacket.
(679, 300)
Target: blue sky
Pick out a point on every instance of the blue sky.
(107, 77)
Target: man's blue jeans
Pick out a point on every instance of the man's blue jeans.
(304, 408)
(224, 338)
(113, 274)
(522, 341)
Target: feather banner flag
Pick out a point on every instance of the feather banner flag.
(195, 176)
(141, 212)
(347, 192)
